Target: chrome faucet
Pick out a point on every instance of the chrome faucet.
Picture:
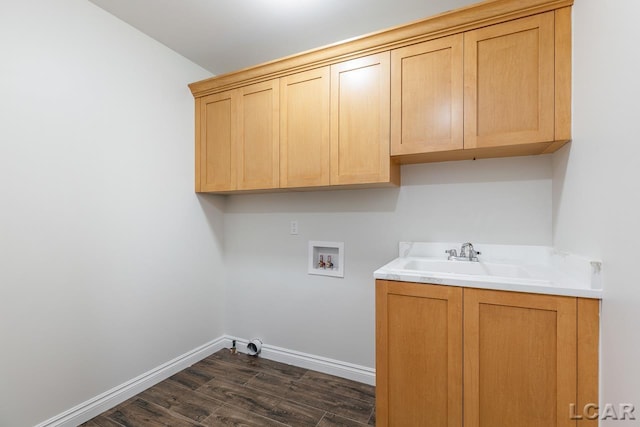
(467, 253)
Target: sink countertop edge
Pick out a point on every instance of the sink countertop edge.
(549, 288)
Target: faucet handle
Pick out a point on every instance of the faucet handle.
(468, 251)
(452, 253)
(464, 247)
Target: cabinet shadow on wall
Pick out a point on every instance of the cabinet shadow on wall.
(511, 169)
(323, 201)
(381, 200)
(560, 164)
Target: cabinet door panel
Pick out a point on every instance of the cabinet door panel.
(258, 141)
(304, 129)
(419, 355)
(519, 359)
(427, 97)
(360, 109)
(509, 83)
(218, 126)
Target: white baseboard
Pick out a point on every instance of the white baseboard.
(338, 368)
(107, 400)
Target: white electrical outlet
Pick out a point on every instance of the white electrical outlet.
(294, 227)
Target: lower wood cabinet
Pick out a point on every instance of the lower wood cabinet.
(445, 354)
(419, 355)
(520, 360)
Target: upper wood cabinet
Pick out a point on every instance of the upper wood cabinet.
(509, 83)
(427, 96)
(511, 78)
(487, 80)
(258, 147)
(304, 129)
(216, 147)
(238, 139)
(360, 110)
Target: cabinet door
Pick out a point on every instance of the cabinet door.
(427, 97)
(519, 359)
(216, 142)
(304, 129)
(258, 136)
(509, 83)
(360, 110)
(418, 355)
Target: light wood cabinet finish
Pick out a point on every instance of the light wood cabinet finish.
(509, 83)
(519, 359)
(588, 345)
(516, 92)
(360, 109)
(467, 18)
(258, 136)
(238, 139)
(427, 97)
(217, 125)
(563, 66)
(304, 129)
(419, 355)
(487, 80)
(507, 358)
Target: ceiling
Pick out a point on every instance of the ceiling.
(227, 35)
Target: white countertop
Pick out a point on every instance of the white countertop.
(540, 269)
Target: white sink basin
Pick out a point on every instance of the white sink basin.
(442, 270)
(464, 267)
(533, 269)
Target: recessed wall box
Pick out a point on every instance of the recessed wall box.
(326, 258)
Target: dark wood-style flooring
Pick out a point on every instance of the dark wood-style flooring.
(228, 389)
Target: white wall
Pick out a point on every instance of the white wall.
(271, 296)
(593, 209)
(109, 264)
(596, 184)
